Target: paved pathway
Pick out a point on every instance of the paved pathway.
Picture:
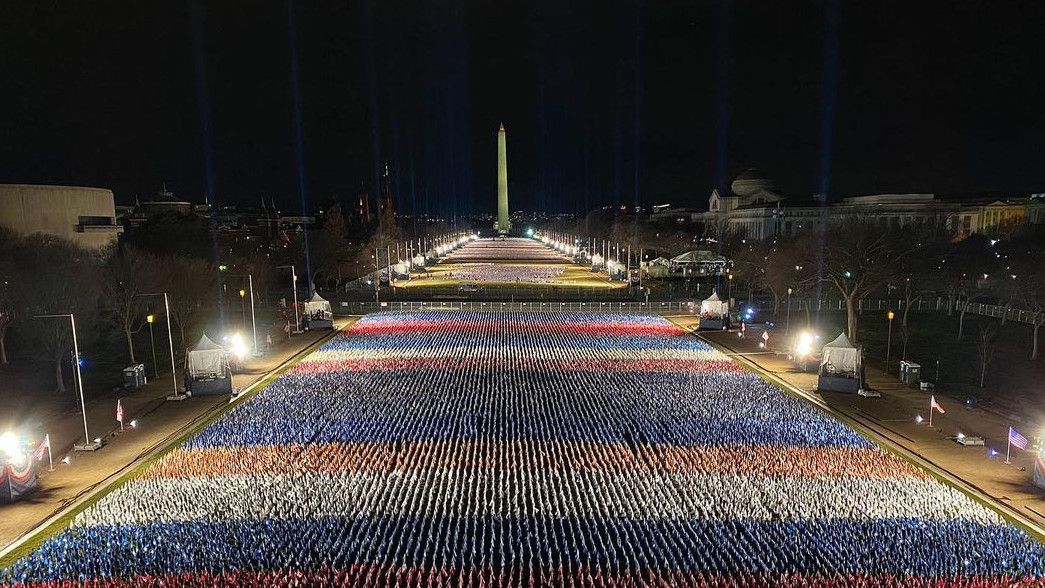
(893, 416)
(159, 422)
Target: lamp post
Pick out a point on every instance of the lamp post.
(152, 342)
(294, 281)
(729, 295)
(787, 328)
(253, 323)
(242, 308)
(889, 340)
(88, 444)
(170, 341)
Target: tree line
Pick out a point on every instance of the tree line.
(855, 257)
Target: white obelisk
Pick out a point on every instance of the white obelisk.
(503, 224)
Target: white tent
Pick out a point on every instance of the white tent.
(317, 304)
(714, 306)
(660, 261)
(841, 357)
(698, 257)
(206, 359)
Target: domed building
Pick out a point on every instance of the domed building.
(755, 209)
(751, 194)
(750, 182)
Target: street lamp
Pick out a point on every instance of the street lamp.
(889, 340)
(88, 444)
(253, 323)
(242, 297)
(152, 341)
(787, 328)
(242, 308)
(729, 296)
(170, 341)
(294, 279)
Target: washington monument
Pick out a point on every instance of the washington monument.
(503, 224)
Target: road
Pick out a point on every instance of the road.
(891, 421)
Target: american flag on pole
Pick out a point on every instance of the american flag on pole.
(933, 405)
(42, 448)
(1016, 439)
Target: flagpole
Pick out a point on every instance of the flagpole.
(50, 462)
(1008, 445)
(931, 410)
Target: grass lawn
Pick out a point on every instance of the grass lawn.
(1013, 381)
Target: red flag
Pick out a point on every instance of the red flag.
(43, 448)
(933, 405)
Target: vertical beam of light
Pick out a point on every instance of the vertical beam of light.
(299, 143)
(413, 180)
(723, 44)
(618, 139)
(203, 116)
(375, 115)
(832, 18)
(724, 22)
(637, 136)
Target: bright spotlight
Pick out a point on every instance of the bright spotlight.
(12, 451)
(804, 344)
(238, 346)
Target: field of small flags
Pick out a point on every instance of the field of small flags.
(529, 449)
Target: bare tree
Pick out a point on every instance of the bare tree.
(8, 289)
(190, 286)
(985, 346)
(128, 273)
(1021, 273)
(69, 285)
(859, 256)
(330, 248)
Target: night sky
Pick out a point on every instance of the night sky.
(604, 101)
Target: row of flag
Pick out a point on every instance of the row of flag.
(1015, 438)
(44, 448)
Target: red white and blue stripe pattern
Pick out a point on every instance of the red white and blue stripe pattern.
(524, 449)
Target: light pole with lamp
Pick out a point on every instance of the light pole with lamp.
(294, 280)
(253, 323)
(88, 443)
(243, 312)
(152, 342)
(787, 328)
(729, 295)
(177, 395)
(889, 340)
(242, 308)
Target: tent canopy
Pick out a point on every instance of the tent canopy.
(842, 356)
(714, 306)
(660, 261)
(698, 256)
(317, 304)
(207, 358)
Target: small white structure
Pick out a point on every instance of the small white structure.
(714, 313)
(658, 268)
(699, 263)
(207, 369)
(318, 314)
(841, 367)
